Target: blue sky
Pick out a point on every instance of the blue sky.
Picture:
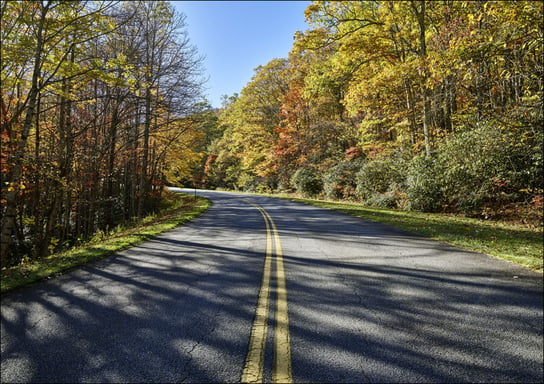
(237, 36)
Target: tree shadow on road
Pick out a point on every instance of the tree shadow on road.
(179, 308)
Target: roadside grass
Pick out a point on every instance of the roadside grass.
(178, 209)
(512, 242)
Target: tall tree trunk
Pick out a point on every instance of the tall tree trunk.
(410, 105)
(145, 160)
(131, 181)
(150, 69)
(420, 15)
(426, 120)
(10, 212)
(66, 154)
(112, 140)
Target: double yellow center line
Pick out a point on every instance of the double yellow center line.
(254, 365)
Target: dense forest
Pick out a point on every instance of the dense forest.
(96, 99)
(433, 106)
(425, 105)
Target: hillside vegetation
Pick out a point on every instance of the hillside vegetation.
(430, 106)
(433, 106)
(95, 105)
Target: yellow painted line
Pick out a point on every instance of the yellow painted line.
(254, 366)
(281, 372)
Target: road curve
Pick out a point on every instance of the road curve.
(365, 303)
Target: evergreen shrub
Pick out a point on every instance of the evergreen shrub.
(307, 182)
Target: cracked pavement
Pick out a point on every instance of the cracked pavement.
(367, 303)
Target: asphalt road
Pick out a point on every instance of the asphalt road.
(366, 303)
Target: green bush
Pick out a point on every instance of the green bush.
(307, 182)
(377, 176)
(383, 200)
(490, 165)
(477, 168)
(424, 189)
(259, 184)
(340, 182)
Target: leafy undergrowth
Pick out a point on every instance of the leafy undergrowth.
(517, 243)
(179, 209)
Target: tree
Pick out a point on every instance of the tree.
(249, 123)
(92, 96)
(34, 38)
(397, 83)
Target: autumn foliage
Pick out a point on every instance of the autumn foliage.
(95, 101)
(426, 105)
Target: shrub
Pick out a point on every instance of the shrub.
(340, 182)
(489, 165)
(477, 168)
(424, 190)
(307, 182)
(383, 200)
(259, 184)
(379, 175)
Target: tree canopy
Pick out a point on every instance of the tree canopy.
(429, 105)
(95, 101)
